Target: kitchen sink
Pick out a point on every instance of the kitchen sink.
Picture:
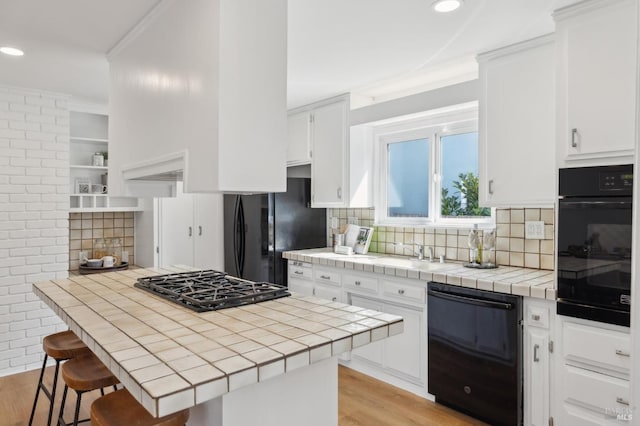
(403, 262)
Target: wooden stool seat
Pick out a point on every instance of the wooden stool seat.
(120, 408)
(87, 373)
(59, 346)
(84, 374)
(64, 345)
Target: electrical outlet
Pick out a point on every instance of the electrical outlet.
(353, 220)
(334, 222)
(534, 230)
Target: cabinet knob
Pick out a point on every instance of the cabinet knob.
(401, 291)
(325, 277)
(190, 231)
(314, 292)
(574, 138)
(535, 317)
(299, 272)
(339, 193)
(200, 231)
(491, 186)
(357, 283)
(536, 358)
(334, 299)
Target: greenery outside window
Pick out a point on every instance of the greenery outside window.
(427, 170)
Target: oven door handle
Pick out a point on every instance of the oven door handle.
(471, 300)
(593, 201)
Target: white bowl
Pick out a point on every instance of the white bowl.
(94, 263)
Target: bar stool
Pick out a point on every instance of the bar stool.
(120, 408)
(61, 347)
(84, 374)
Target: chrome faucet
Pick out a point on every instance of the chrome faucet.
(430, 254)
(419, 251)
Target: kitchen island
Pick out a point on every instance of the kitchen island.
(271, 363)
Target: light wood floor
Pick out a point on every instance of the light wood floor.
(363, 401)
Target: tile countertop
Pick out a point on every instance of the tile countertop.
(171, 358)
(537, 283)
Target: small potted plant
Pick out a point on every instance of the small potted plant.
(105, 154)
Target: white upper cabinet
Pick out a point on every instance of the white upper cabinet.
(330, 138)
(597, 54)
(299, 138)
(341, 156)
(517, 125)
(198, 92)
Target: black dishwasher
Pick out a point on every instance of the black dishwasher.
(475, 352)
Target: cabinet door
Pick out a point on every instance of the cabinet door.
(298, 137)
(329, 156)
(208, 230)
(600, 79)
(328, 293)
(536, 376)
(300, 286)
(405, 353)
(517, 126)
(176, 230)
(372, 352)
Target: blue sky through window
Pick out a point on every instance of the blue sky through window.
(408, 179)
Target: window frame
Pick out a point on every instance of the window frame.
(432, 126)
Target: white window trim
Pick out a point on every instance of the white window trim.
(432, 126)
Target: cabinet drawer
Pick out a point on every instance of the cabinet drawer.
(601, 347)
(327, 276)
(400, 291)
(299, 263)
(360, 284)
(598, 391)
(537, 316)
(300, 272)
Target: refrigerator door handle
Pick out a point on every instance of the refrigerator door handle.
(243, 229)
(236, 236)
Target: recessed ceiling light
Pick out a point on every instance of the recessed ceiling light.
(11, 51)
(444, 6)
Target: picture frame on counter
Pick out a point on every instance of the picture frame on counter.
(83, 186)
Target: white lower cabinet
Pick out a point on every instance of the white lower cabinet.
(403, 356)
(404, 353)
(322, 283)
(538, 317)
(371, 353)
(592, 379)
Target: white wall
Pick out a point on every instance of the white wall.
(34, 212)
(455, 94)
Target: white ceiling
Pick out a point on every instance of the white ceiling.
(378, 49)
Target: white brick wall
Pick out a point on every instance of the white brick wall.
(34, 210)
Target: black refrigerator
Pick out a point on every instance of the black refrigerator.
(258, 228)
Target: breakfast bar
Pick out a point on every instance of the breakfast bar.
(233, 366)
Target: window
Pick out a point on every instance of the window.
(428, 170)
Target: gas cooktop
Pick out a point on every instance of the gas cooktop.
(209, 290)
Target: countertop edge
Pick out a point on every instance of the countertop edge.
(535, 283)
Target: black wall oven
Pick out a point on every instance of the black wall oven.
(594, 243)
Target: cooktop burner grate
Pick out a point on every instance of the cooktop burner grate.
(210, 290)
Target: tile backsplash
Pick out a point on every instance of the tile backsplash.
(512, 249)
(86, 228)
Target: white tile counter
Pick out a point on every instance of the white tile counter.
(536, 283)
(171, 358)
